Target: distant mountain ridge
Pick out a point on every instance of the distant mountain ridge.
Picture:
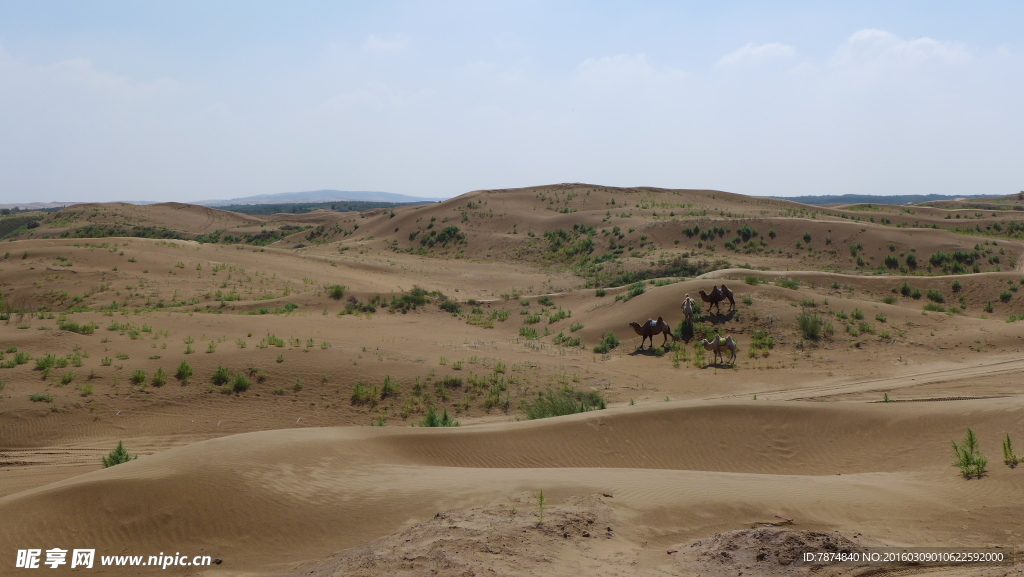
(879, 199)
(318, 196)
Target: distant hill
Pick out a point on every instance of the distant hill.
(879, 199)
(314, 196)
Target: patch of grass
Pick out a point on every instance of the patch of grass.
(880, 317)
(1005, 296)
(857, 314)
(747, 299)
(67, 377)
(531, 320)
(117, 456)
(363, 394)
(636, 289)
(890, 300)
(86, 329)
(563, 401)
(790, 283)
(546, 301)
(813, 326)
(760, 343)
(934, 307)
(599, 292)
(159, 378)
(41, 398)
(85, 389)
(935, 295)
(138, 377)
(575, 327)
(528, 333)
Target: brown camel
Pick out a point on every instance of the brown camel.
(718, 295)
(650, 328)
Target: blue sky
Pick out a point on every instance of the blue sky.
(198, 100)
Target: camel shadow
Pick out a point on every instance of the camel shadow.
(647, 352)
(719, 318)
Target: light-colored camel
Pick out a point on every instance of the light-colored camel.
(718, 344)
(650, 328)
(688, 308)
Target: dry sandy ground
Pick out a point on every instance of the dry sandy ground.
(691, 460)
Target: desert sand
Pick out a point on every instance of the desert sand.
(694, 468)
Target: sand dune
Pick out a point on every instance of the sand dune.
(282, 475)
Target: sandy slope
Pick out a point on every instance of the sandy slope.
(679, 471)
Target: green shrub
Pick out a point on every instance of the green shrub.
(184, 372)
(915, 294)
(790, 283)
(221, 376)
(905, 289)
(240, 383)
(747, 300)
(880, 317)
(599, 292)
(41, 398)
(67, 377)
(117, 456)
(336, 291)
(857, 314)
(957, 287)
(1009, 456)
(609, 342)
(546, 301)
(528, 333)
(890, 300)
(390, 388)
(935, 296)
(968, 456)
(531, 320)
(1005, 296)
(934, 307)
(362, 394)
(45, 362)
(812, 325)
(433, 419)
(564, 401)
(138, 376)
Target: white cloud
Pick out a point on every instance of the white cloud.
(623, 68)
(873, 47)
(382, 45)
(751, 54)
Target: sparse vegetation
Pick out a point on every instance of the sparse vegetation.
(609, 342)
(562, 401)
(435, 419)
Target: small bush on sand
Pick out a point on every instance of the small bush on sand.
(117, 456)
(138, 377)
(609, 342)
(935, 295)
(220, 376)
(813, 326)
(435, 419)
(159, 378)
(336, 291)
(564, 401)
(1009, 457)
(41, 398)
(184, 372)
(362, 394)
(968, 456)
(240, 383)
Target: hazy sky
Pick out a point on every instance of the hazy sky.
(195, 100)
